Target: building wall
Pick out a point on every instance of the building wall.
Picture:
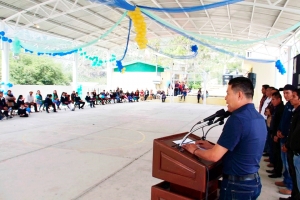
(265, 74)
(132, 81)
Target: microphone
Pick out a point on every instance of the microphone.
(219, 113)
(221, 118)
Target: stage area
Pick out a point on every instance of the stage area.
(102, 153)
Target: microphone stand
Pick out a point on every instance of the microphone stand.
(219, 124)
(185, 137)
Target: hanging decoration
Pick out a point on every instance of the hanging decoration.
(140, 27)
(63, 52)
(194, 49)
(96, 61)
(221, 41)
(8, 84)
(280, 67)
(182, 32)
(116, 3)
(4, 38)
(125, 5)
(16, 47)
(119, 64)
(192, 9)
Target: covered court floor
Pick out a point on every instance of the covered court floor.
(102, 153)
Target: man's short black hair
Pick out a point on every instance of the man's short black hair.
(265, 86)
(242, 84)
(277, 95)
(297, 91)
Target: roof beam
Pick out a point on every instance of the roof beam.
(212, 25)
(267, 6)
(277, 18)
(251, 20)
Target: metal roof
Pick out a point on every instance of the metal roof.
(83, 21)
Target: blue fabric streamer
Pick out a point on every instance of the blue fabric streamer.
(210, 46)
(119, 62)
(116, 3)
(191, 9)
(125, 5)
(176, 57)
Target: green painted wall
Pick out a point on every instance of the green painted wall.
(141, 67)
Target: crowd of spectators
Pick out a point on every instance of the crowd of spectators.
(23, 106)
(282, 147)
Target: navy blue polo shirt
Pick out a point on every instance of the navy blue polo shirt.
(244, 135)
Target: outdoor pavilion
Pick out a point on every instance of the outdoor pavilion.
(43, 166)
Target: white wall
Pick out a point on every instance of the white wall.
(132, 81)
(265, 74)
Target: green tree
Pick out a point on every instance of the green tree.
(37, 70)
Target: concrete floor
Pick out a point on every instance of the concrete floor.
(96, 153)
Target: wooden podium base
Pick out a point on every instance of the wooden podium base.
(169, 191)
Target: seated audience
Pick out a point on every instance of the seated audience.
(10, 100)
(55, 99)
(30, 101)
(22, 112)
(3, 105)
(39, 99)
(78, 101)
(48, 102)
(20, 101)
(90, 100)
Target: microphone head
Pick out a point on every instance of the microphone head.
(221, 118)
(220, 113)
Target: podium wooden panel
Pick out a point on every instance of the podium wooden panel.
(185, 175)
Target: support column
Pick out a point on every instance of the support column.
(109, 69)
(290, 66)
(5, 64)
(75, 65)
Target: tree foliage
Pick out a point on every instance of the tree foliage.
(37, 70)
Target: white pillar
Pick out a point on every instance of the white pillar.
(290, 66)
(75, 65)
(109, 69)
(5, 64)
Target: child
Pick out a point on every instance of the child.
(22, 111)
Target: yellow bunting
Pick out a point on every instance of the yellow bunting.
(140, 28)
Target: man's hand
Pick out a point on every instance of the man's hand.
(283, 148)
(190, 147)
(275, 139)
(204, 144)
(279, 134)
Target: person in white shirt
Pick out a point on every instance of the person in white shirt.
(30, 101)
(266, 102)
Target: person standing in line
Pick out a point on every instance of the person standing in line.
(292, 147)
(199, 95)
(264, 97)
(146, 94)
(276, 118)
(282, 133)
(240, 145)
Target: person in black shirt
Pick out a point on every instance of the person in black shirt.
(48, 102)
(276, 118)
(90, 100)
(22, 110)
(3, 105)
(79, 102)
(292, 146)
(20, 101)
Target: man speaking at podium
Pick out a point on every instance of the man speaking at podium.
(240, 145)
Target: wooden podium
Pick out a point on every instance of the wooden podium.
(186, 177)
